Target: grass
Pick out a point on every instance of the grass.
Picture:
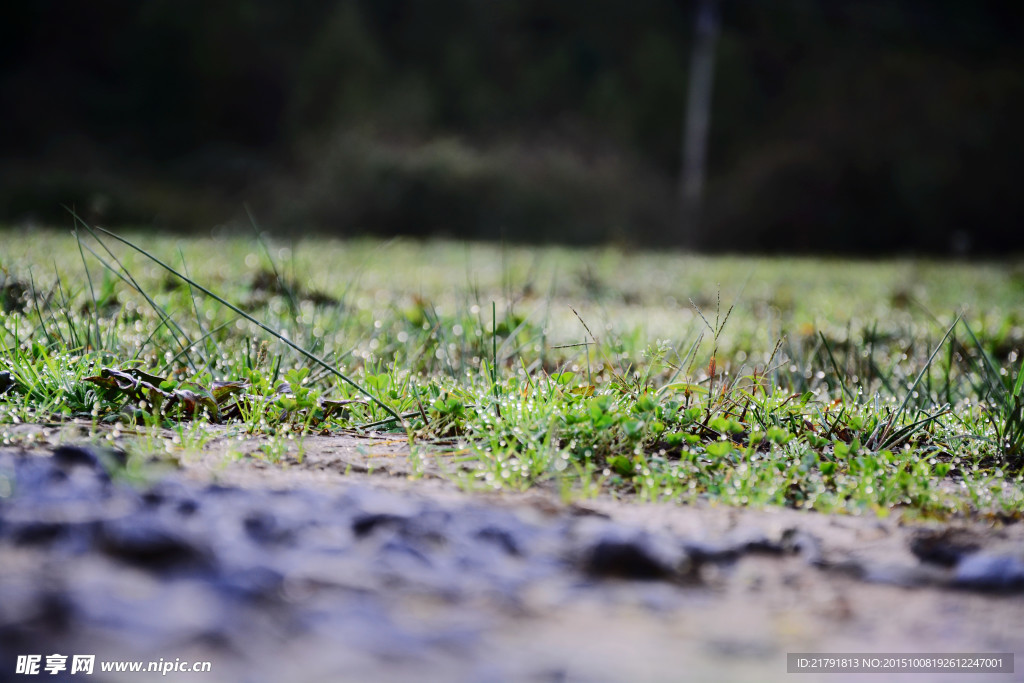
(823, 384)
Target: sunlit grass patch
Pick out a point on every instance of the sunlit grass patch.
(827, 385)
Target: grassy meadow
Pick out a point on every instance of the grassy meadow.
(835, 385)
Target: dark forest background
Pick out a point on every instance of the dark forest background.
(851, 127)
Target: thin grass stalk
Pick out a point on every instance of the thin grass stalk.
(906, 398)
(92, 292)
(322, 363)
(127, 277)
(835, 366)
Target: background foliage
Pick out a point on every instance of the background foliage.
(837, 126)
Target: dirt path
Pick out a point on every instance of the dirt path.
(324, 571)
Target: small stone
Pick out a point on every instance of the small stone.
(805, 544)
(254, 583)
(628, 554)
(366, 524)
(945, 547)
(265, 528)
(503, 538)
(100, 461)
(36, 532)
(75, 455)
(703, 552)
(990, 572)
(148, 544)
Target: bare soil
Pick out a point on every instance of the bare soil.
(608, 590)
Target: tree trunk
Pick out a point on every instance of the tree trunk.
(698, 121)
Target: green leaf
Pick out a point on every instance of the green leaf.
(691, 414)
(674, 439)
(632, 427)
(621, 465)
(720, 424)
(779, 435)
(645, 403)
(598, 406)
(719, 449)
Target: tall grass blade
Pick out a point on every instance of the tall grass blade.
(293, 306)
(165, 318)
(913, 387)
(322, 363)
(835, 366)
(92, 293)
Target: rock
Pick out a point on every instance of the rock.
(631, 554)
(265, 528)
(807, 545)
(944, 547)
(149, 544)
(712, 552)
(364, 525)
(70, 456)
(501, 537)
(991, 572)
(256, 583)
(69, 536)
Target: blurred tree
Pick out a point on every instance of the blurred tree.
(698, 119)
(833, 125)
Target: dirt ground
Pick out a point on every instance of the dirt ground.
(757, 583)
(869, 592)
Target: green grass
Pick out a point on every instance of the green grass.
(825, 384)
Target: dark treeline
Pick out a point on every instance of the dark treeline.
(861, 126)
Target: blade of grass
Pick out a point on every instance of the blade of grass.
(293, 306)
(92, 292)
(322, 363)
(835, 366)
(169, 364)
(123, 273)
(906, 398)
(165, 318)
(42, 323)
(991, 374)
(199, 320)
(901, 435)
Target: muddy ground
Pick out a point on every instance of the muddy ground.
(343, 568)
